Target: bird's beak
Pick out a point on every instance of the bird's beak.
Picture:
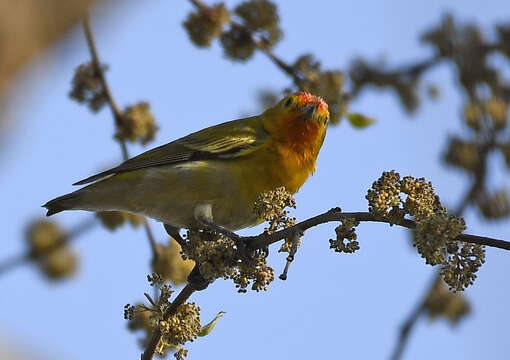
(309, 110)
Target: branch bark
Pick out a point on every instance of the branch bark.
(336, 214)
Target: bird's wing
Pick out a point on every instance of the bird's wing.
(222, 142)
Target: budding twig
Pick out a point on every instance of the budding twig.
(180, 299)
(117, 116)
(290, 70)
(336, 214)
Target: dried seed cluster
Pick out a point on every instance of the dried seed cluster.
(217, 258)
(346, 238)
(181, 327)
(48, 249)
(391, 198)
(271, 206)
(115, 219)
(87, 87)
(170, 264)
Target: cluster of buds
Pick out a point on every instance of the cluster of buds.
(440, 302)
(49, 250)
(271, 207)
(178, 329)
(115, 219)
(217, 257)
(181, 327)
(87, 87)
(138, 124)
(258, 21)
(170, 264)
(391, 198)
(346, 238)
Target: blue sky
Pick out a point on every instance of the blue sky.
(342, 306)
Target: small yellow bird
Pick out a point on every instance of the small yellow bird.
(213, 174)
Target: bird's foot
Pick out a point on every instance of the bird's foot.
(242, 250)
(175, 234)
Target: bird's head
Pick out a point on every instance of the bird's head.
(300, 119)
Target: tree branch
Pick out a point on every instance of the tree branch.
(290, 70)
(336, 214)
(117, 116)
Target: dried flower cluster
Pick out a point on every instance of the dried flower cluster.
(204, 25)
(115, 219)
(176, 330)
(391, 198)
(272, 207)
(87, 87)
(217, 258)
(48, 249)
(138, 124)
(346, 238)
(258, 23)
(441, 302)
(170, 264)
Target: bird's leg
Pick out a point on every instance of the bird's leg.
(203, 214)
(174, 233)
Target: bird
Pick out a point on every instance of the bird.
(212, 176)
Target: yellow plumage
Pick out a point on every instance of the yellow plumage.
(222, 169)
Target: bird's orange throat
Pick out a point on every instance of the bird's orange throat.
(299, 142)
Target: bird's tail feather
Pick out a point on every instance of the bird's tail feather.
(64, 202)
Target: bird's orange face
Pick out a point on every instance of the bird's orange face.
(300, 119)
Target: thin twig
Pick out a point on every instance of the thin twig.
(290, 70)
(180, 299)
(117, 115)
(295, 242)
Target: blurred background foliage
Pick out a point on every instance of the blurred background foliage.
(251, 27)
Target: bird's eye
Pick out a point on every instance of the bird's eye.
(287, 103)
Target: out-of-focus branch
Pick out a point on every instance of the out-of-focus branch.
(117, 116)
(80, 229)
(412, 319)
(290, 70)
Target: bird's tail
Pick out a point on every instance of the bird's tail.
(64, 202)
